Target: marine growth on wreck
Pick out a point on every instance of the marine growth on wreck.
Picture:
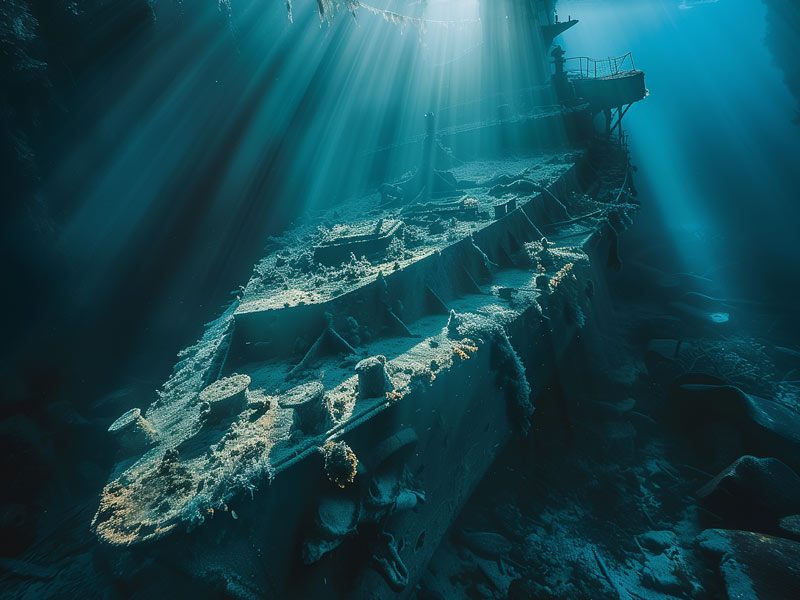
(400, 299)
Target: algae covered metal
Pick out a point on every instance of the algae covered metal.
(360, 402)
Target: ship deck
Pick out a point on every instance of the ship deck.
(284, 278)
(148, 497)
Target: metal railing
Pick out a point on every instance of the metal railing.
(592, 68)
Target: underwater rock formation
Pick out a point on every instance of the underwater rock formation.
(753, 565)
(708, 410)
(753, 492)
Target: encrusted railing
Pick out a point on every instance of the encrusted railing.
(593, 68)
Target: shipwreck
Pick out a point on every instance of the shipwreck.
(321, 436)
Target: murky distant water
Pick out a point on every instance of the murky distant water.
(714, 142)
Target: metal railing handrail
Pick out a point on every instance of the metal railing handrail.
(591, 68)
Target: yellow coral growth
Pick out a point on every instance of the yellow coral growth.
(392, 396)
(464, 351)
(340, 462)
(563, 273)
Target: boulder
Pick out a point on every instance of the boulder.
(664, 569)
(698, 402)
(753, 492)
(658, 541)
(665, 573)
(753, 566)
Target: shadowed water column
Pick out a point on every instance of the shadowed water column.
(512, 64)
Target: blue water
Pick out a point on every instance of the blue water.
(714, 142)
(179, 152)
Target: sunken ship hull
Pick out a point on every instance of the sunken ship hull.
(321, 437)
(339, 471)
